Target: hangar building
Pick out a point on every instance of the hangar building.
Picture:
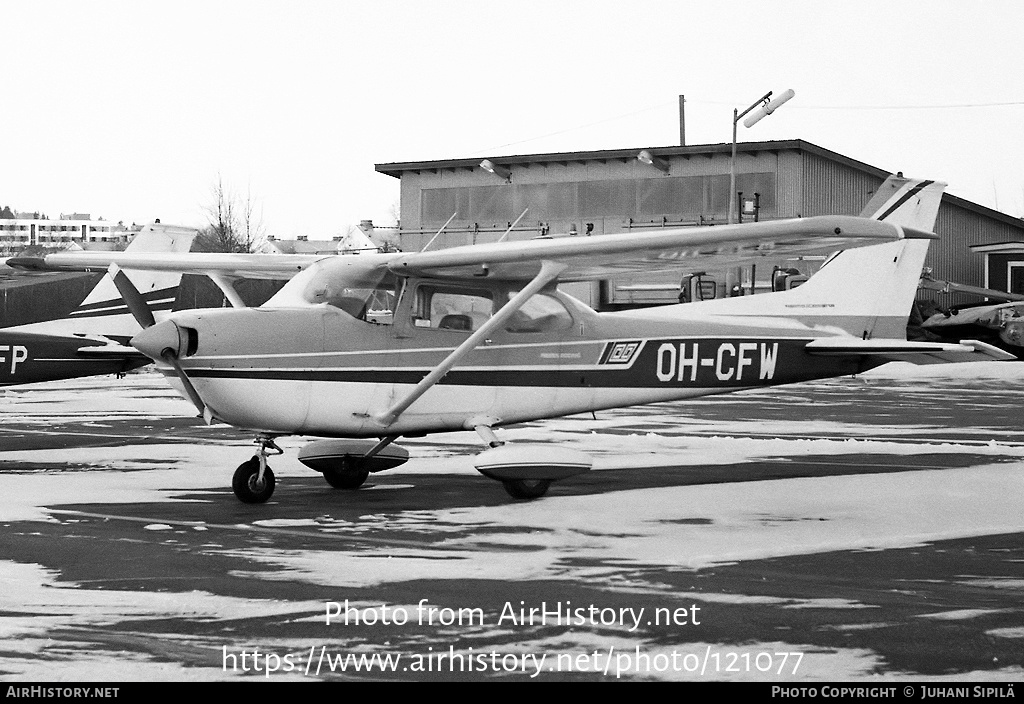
(598, 192)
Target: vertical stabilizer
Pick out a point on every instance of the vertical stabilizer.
(866, 292)
(159, 288)
(103, 312)
(871, 290)
(906, 202)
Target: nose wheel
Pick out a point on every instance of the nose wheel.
(253, 481)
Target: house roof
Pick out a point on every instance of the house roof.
(998, 248)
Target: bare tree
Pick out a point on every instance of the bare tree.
(389, 239)
(252, 230)
(234, 223)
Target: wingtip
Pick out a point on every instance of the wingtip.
(29, 263)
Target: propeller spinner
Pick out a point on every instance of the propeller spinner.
(165, 341)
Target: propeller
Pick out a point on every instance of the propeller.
(165, 341)
(170, 356)
(135, 301)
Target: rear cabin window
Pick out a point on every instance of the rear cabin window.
(452, 308)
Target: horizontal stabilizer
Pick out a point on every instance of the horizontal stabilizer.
(903, 350)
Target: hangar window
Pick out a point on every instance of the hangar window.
(438, 204)
(764, 185)
(616, 197)
(490, 203)
(444, 308)
(748, 184)
(676, 195)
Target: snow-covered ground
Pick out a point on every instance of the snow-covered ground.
(587, 539)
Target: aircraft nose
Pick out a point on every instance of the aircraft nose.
(157, 339)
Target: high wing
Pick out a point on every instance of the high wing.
(584, 258)
(589, 258)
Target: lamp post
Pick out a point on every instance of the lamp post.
(763, 108)
(501, 172)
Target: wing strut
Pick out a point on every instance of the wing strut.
(227, 287)
(549, 271)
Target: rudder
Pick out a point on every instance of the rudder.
(872, 289)
(159, 288)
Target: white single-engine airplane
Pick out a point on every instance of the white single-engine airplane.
(92, 339)
(364, 349)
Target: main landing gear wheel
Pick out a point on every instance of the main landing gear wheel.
(348, 478)
(347, 462)
(248, 486)
(527, 488)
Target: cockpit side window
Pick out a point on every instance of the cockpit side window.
(450, 308)
(370, 303)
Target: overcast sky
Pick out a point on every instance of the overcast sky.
(131, 110)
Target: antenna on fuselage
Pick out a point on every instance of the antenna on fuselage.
(510, 227)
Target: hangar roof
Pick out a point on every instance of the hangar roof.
(396, 169)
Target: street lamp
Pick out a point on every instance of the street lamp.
(758, 110)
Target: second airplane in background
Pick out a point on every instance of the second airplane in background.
(93, 339)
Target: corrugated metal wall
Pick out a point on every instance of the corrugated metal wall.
(832, 188)
(950, 256)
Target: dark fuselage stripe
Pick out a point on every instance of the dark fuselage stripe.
(578, 378)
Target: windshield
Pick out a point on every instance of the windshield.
(540, 313)
(362, 289)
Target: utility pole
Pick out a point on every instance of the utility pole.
(682, 120)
